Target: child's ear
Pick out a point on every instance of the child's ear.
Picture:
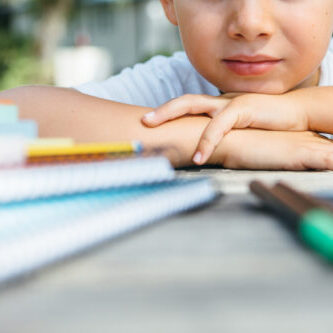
(169, 10)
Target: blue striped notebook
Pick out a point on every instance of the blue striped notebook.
(40, 232)
(27, 183)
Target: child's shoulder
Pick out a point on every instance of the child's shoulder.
(177, 71)
(171, 67)
(178, 58)
(153, 82)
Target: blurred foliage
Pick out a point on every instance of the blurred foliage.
(18, 63)
(21, 56)
(38, 7)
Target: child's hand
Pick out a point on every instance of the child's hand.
(274, 150)
(271, 112)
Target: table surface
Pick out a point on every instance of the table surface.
(229, 267)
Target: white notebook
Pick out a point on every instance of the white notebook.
(36, 233)
(33, 182)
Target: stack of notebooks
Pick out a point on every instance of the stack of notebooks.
(59, 198)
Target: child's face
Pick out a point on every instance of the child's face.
(263, 46)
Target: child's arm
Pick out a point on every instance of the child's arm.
(66, 112)
(298, 110)
(276, 150)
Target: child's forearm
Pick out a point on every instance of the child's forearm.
(67, 113)
(317, 103)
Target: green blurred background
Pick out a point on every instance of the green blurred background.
(68, 42)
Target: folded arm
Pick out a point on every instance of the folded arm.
(317, 102)
(67, 113)
(62, 112)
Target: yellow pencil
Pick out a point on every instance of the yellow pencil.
(84, 148)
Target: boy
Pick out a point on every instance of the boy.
(267, 56)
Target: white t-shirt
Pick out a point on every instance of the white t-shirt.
(163, 78)
(152, 83)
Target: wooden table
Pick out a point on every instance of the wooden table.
(230, 267)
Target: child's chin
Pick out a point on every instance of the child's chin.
(263, 88)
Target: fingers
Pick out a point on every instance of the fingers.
(213, 134)
(187, 104)
(318, 158)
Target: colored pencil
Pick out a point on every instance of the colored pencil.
(84, 149)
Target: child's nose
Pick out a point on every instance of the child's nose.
(251, 19)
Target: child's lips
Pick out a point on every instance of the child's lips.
(251, 65)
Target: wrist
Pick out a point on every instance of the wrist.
(300, 103)
(231, 143)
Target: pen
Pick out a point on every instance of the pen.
(310, 218)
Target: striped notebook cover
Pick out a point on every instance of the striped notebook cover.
(33, 182)
(37, 233)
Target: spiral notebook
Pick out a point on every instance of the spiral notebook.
(33, 182)
(40, 232)
(52, 212)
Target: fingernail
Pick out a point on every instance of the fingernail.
(197, 157)
(149, 116)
